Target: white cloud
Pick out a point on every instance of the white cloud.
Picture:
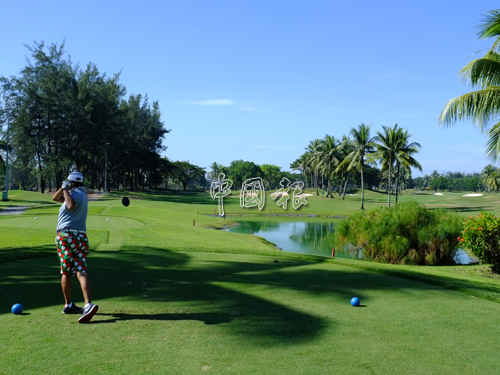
(214, 102)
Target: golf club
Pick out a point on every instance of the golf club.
(125, 200)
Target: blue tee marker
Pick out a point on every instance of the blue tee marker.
(355, 301)
(17, 309)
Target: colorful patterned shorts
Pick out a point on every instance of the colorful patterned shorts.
(72, 249)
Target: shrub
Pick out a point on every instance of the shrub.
(480, 236)
(407, 233)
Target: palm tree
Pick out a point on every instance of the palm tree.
(342, 170)
(483, 105)
(3, 149)
(328, 159)
(486, 173)
(301, 164)
(404, 159)
(427, 179)
(362, 145)
(387, 145)
(216, 169)
(434, 175)
(494, 181)
(312, 159)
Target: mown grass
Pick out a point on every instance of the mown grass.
(181, 299)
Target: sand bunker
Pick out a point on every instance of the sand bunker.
(472, 195)
(298, 195)
(275, 194)
(437, 194)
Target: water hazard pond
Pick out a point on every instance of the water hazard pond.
(312, 236)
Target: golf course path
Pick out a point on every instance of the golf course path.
(13, 210)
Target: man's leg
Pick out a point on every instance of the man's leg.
(84, 280)
(66, 288)
(90, 309)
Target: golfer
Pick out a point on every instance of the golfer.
(73, 244)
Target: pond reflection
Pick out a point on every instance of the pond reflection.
(308, 237)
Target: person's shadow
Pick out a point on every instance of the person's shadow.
(207, 318)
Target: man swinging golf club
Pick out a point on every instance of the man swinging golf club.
(72, 243)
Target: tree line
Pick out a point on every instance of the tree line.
(64, 118)
(238, 171)
(335, 159)
(488, 180)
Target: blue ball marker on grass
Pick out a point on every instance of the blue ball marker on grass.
(17, 309)
(355, 301)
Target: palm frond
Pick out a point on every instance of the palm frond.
(490, 26)
(480, 106)
(482, 72)
(493, 143)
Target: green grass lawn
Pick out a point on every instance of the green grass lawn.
(181, 299)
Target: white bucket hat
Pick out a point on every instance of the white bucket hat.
(75, 177)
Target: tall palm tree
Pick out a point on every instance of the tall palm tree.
(483, 105)
(486, 173)
(216, 169)
(312, 151)
(342, 170)
(362, 145)
(387, 143)
(434, 175)
(301, 164)
(427, 179)
(328, 159)
(404, 159)
(3, 149)
(494, 181)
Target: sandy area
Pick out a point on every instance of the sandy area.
(438, 194)
(274, 194)
(472, 195)
(298, 195)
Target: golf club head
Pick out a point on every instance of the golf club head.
(125, 201)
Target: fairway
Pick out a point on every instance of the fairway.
(181, 299)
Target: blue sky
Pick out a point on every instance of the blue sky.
(258, 80)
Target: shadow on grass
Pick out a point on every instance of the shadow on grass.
(469, 209)
(249, 299)
(10, 254)
(206, 318)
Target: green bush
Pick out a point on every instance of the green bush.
(480, 236)
(407, 233)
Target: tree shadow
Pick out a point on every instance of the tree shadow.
(243, 298)
(10, 254)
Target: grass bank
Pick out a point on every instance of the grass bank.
(178, 298)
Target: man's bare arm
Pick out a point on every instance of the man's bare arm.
(58, 196)
(70, 202)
